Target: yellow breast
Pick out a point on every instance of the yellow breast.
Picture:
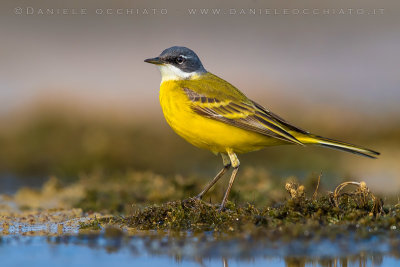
(204, 132)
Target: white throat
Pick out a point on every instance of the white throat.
(169, 72)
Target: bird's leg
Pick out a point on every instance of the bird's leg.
(227, 164)
(210, 184)
(235, 164)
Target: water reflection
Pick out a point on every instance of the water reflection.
(153, 248)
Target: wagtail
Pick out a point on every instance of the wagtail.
(212, 114)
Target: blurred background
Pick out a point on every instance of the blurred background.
(77, 100)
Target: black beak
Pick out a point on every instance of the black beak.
(155, 60)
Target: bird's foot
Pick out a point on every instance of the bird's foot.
(198, 197)
(226, 206)
(192, 199)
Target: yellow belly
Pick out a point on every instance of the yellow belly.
(203, 132)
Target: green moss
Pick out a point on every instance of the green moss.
(94, 225)
(293, 218)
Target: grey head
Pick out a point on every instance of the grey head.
(180, 57)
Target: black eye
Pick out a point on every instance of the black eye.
(180, 60)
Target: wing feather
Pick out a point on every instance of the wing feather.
(249, 116)
(269, 114)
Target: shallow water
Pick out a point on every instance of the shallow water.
(62, 244)
(142, 251)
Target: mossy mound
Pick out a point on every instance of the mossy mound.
(297, 217)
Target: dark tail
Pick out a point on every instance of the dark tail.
(339, 145)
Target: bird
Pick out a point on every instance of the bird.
(212, 114)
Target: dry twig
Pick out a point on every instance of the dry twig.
(362, 192)
(314, 197)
